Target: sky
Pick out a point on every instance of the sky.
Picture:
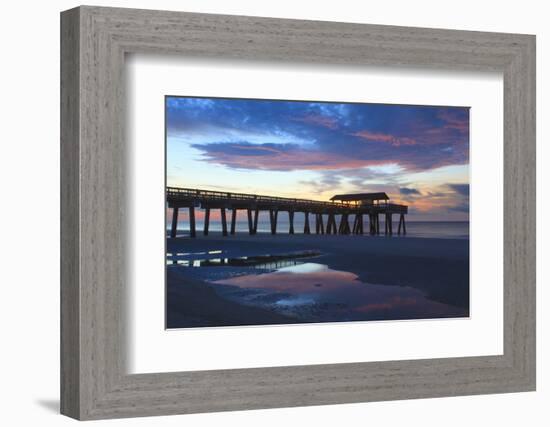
(418, 155)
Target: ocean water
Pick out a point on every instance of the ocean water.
(426, 229)
(437, 229)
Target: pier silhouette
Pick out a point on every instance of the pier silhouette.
(358, 206)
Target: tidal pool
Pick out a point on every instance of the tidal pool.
(312, 292)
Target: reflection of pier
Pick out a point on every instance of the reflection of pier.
(358, 206)
(261, 262)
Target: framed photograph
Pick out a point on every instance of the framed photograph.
(263, 213)
(265, 179)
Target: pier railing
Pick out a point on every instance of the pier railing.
(178, 194)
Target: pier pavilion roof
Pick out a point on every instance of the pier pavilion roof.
(359, 197)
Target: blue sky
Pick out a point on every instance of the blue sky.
(419, 155)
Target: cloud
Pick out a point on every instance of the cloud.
(460, 199)
(292, 135)
(462, 189)
(409, 191)
(396, 141)
(244, 149)
(292, 156)
(443, 199)
(327, 122)
(457, 119)
(354, 180)
(280, 157)
(327, 182)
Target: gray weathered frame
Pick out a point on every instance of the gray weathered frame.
(94, 41)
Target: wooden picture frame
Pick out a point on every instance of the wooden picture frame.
(94, 382)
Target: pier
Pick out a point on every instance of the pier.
(359, 207)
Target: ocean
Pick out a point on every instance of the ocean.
(426, 229)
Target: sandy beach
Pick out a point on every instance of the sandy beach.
(407, 277)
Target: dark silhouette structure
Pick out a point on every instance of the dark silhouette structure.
(370, 205)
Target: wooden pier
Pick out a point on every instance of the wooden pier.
(346, 206)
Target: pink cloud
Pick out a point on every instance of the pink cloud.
(295, 159)
(454, 121)
(395, 141)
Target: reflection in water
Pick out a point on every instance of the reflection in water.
(312, 292)
(262, 262)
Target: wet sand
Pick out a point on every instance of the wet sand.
(192, 303)
(437, 267)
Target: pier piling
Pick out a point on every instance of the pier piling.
(250, 224)
(192, 229)
(206, 221)
(319, 226)
(233, 220)
(276, 217)
(306, 223)
(256, 213)
(224, 222)
(174, 222)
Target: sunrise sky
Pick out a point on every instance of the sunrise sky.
(416, 154)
